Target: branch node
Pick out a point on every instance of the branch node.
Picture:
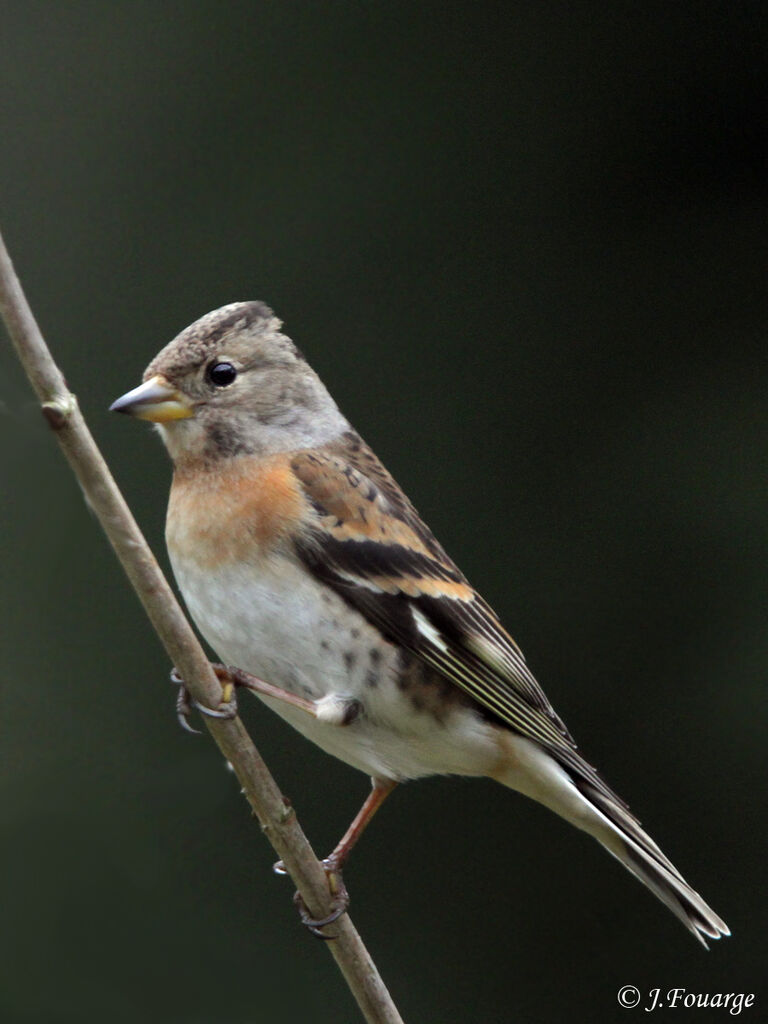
(58, 411)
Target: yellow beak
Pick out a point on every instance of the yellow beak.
(155, 400)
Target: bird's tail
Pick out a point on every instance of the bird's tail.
(621, 835)
(578, 794)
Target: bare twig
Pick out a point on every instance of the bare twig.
(270, 807)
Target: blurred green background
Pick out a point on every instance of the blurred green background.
(525, 246)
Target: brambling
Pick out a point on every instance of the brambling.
(304, 564)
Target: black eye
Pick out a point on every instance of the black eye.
(221, 374)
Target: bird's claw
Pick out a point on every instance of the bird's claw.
(227, 709)
(339, 902)
(183, 704)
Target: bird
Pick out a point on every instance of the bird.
(310, 573)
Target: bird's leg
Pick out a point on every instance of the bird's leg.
(381, 788)
(333, 709)
(334, 863)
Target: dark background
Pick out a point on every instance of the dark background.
(525, 246)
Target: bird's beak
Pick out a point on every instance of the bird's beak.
(155, 400)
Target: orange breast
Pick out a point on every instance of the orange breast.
(238, 513)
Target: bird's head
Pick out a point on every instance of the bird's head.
(232, 384)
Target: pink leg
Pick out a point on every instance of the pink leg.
(334, 863)
(381, 790)
(230, 679)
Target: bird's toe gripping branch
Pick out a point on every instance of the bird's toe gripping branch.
(339, 902)
(185, 703)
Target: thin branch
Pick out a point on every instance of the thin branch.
(273, 811)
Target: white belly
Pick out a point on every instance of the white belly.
(276, 622)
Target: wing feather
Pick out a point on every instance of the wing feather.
(369, 544)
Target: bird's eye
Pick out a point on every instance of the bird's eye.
(221, 374)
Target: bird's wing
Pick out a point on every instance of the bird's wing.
(368, 543)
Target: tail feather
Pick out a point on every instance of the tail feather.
(640, 855)
(571, 791)
(684, 902)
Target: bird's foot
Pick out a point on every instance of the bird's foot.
(185, 703)
(339, 899)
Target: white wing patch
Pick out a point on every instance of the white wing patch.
(427, 630)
